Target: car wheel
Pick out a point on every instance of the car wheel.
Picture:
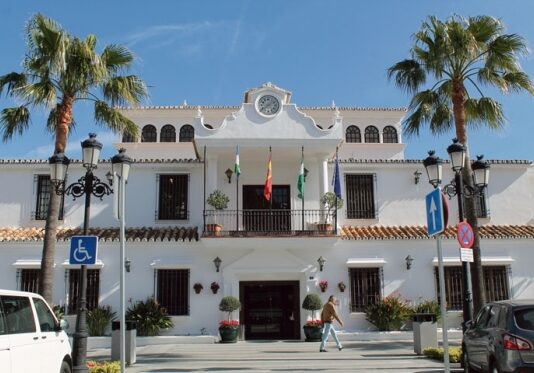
(465, 362)
(65, 368)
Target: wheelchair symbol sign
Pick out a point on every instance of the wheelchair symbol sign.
(83, 249)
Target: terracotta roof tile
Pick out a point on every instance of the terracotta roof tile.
(171, 234)
(419, 232)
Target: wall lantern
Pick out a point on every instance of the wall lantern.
(321, 262)
(409, 261)
(127, 265)
(217, 261)
(416, 176)
(229, 174)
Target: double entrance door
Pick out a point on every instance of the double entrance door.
(260, 215)
(270, 309)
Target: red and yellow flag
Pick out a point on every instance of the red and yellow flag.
(268, 188)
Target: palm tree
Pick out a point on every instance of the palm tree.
(453, 56)
(58, 71)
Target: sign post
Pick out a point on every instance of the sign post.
(466, 238)
(83, 250)
(435, 215)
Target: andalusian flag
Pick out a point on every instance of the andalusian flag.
(237, 169)
(268, 188)
(300, 180)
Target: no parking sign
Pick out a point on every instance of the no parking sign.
(466, 236)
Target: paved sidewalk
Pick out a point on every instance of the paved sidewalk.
(279, 356)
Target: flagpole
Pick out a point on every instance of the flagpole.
(302, 194)
(335, 208)
(237, 197)
(204, 211)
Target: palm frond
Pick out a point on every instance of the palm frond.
(122, 90)
(484, 111)
(518, 81)
(13, 82)
(42, 92)
(408, 75)
(13, 121)
(484, 28)
(503, 51)
(84, 68)
(115, 57)
(114, 120)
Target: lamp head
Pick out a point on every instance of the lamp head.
(91, 148)
(433, 167)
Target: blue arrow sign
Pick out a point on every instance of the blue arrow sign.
(83, 249)
(434, 212)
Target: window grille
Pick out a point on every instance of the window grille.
(173, 290)
(93, 289)
(44, 188)
(187, 133)
(481, 207)
(495, 281)
(390, 135)
(353, 134)
(360, 196)
(168, 134)
(173, 192)
(29, 280)
(365, 287)
(372, 135)
(149, 134)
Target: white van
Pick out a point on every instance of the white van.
(31, 338)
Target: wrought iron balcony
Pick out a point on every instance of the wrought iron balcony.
(272, 223)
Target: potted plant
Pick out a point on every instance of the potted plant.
(150, 317)
(198, 287)
(219, 201)
(323, 285)
(341, 285)
(99, 319)
(228, 329)
(313, 328)
(331, 202)
(214, 287)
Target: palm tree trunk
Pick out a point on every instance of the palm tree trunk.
(477, 279)
(46, 277)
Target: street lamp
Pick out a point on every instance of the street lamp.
(457, 155)
(87, 185)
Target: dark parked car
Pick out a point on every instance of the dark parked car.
(501, 338)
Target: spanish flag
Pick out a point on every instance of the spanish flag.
(268, 188)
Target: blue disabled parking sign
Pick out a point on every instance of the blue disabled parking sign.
(434, 212)
(83, 249)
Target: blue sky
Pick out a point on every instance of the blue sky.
(210, 52)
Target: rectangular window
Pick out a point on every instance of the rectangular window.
(173, 290)
(93, 289)
(360, 196)
(44, 188)
(18, 314)
(495, 282)
(173, 192)
(365, 285)
(29, 280)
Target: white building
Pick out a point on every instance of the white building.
(269, 252)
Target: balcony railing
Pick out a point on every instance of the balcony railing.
(278, 223)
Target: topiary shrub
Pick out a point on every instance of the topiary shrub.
(388, 314)
(98, 319)
(229, 304)
(312, 302)
(150, 317)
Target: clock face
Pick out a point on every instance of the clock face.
(268, 105)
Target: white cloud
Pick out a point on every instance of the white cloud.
(167, 34)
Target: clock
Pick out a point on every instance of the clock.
(268, 105)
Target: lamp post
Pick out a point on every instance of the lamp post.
(120, 166)
(87, 185)
(457, 155)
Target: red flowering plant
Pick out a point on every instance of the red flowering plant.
(229, 304)
(314, 323)
(323, 285)
(228, 323)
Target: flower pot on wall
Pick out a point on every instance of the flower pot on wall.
(214, 229)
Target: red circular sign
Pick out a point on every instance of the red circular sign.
(466, 236)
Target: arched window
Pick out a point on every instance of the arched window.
(372, 135)
(149, 133)
(187, 133)
(390, 135)
(353, 134)
(168, 134)
(126, 137)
